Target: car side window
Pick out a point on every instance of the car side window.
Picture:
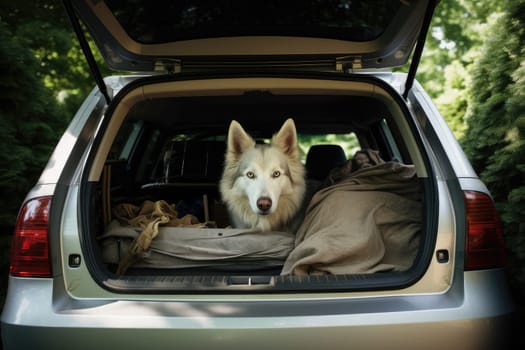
(349, 142)
(390, 141)
(125, 141)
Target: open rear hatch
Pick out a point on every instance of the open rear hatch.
(273, 53)
(148, 36)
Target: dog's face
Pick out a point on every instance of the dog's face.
(263, 172)
(263, 176)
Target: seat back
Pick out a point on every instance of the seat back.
(323, 158)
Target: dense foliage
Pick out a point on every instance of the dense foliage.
(473, 67)
(495, 138)
(43, 80)
(30, 123)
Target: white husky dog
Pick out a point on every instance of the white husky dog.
(263, 185)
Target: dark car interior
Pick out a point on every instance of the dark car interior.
(172, 149)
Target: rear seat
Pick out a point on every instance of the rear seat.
(320, 160)
(323, 158)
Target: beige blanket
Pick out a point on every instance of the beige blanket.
(190, 247)
(368, 222)
(148, 217)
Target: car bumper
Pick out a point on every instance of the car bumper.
(475, 318)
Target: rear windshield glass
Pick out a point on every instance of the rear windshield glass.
(154, 22)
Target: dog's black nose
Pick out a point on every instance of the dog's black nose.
(264, 204)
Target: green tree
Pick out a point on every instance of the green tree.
(30, 122)
(495, 137)
(456, 35)
(46, 31)
(44, 78)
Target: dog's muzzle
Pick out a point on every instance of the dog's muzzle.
(264, 204)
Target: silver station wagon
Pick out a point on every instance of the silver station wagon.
(125, 240)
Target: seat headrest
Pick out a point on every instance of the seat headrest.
(323, 158)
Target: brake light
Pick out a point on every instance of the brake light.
(30, 249)
(485, 245)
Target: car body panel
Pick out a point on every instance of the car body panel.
(446, 307)
(458, 319)
(458, 159)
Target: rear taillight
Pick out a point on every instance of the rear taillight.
(30, 248)
(485, 246)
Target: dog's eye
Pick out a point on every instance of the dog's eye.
(276, 173)
(250, 175)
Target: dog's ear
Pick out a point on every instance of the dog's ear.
(238, 139)
(286, 139)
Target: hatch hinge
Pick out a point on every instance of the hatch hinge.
(348, 64)
(168, 65)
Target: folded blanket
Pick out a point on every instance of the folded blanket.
(149, 216)
(187, 247)
(368, 222)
